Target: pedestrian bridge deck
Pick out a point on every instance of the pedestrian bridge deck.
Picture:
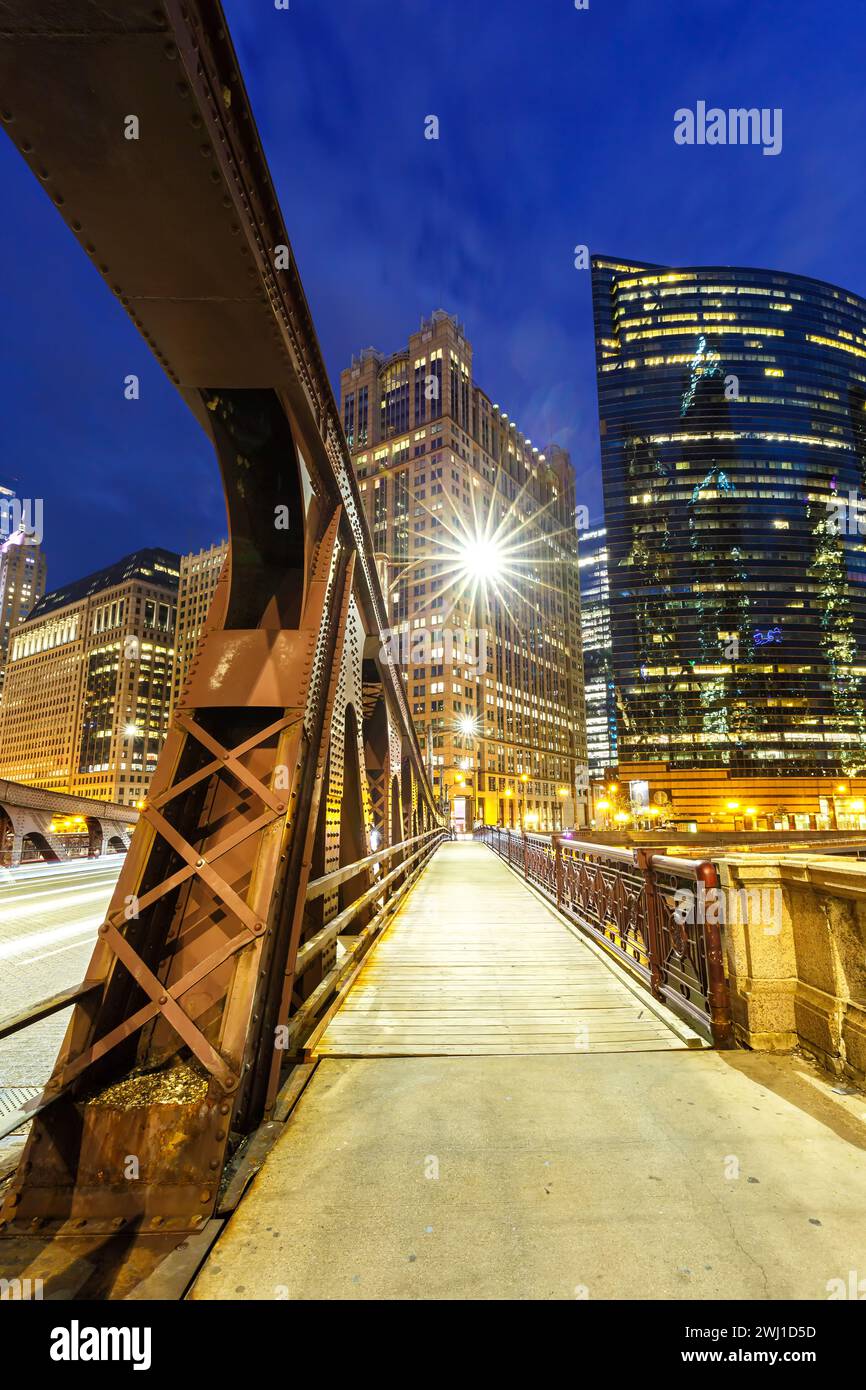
(475, 962)
(522, 1175)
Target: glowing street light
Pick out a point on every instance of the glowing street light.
(131, 731)
(482, 559)
(468, 725)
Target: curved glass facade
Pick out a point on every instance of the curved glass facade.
(733, 434)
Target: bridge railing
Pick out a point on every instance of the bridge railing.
(381, 898)
(659, 915)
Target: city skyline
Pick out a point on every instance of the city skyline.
(472, 240)
(433, 770)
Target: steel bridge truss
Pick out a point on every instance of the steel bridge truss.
(291, 802)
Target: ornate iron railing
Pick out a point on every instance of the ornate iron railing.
(658, 915)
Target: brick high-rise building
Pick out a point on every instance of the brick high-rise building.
(22, 584)
(199, 573)
(88, 683)
(474, 529)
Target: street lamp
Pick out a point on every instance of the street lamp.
(482, 560)
(524, 778)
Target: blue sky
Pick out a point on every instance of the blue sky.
(556, 129)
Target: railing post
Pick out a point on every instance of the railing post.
(557, 868)
(525, 869)
(644, 861)
(718, 997)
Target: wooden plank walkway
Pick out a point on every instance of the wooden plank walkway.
(475, 963)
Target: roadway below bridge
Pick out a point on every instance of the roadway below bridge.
(49, 915)
(533, 1165)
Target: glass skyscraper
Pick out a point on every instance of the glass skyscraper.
(601, 750)
(733, 435)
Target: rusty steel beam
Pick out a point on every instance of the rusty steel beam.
(293, 728)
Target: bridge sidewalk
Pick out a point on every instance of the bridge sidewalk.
(645, 1174)
(476, 963)
(688, 1175)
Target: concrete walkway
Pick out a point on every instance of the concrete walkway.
(696, 1175)
(582, 1174)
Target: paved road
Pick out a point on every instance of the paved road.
(49, 914)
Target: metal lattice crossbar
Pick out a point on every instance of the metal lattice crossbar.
(292, 753)
(648, 910)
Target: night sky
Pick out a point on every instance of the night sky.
(556, 129)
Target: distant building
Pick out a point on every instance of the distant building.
(474, 534)
(199, 573)
(88, 682)
(733, 432)
(22, 584)
(598, 685)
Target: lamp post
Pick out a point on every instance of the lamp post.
(524, 778)
(468, 727)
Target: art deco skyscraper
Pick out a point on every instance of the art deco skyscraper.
(475, 533)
